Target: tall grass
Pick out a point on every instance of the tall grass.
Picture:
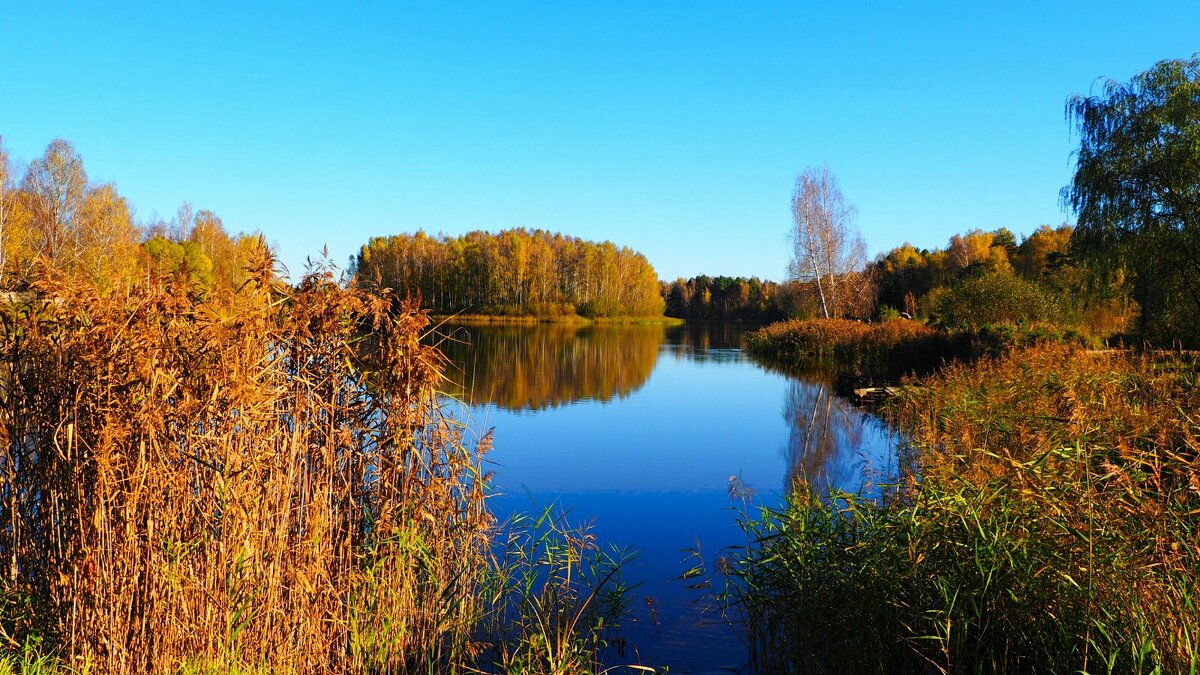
(259, 482)
(888, 348)
(557, 599)
(1051, 525)
(893, 347)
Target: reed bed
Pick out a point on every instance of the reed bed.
(885, 349)
(258, 482)
(1050, 523)
(892, 347)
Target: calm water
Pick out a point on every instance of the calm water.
(642, 428)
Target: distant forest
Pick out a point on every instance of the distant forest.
(977, 278)
(513, 273)
(724, 299)
(53, 215)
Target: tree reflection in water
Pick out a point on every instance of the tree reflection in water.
(708, 341)
(537, 367)
(832, 444)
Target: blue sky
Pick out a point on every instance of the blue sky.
(674, 128)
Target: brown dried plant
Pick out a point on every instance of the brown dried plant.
(259, 480)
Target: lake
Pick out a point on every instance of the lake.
(643, 429)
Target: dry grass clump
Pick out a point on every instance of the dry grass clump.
(260, 481)
(1053, 526)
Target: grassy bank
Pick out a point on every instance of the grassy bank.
(568, 319)
(889, 348)
(1049, 524)
(262, 482)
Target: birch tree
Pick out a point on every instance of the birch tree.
(828, 253)
(58, 183)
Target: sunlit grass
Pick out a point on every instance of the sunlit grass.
(1051, 524)
(891, 348)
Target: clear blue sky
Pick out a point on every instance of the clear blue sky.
(674, 128)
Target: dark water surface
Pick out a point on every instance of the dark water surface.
(642, 429)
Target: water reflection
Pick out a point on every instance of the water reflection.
(661, 418)
(548, 365)
(832, 444)
(702, 341)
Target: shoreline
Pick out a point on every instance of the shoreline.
(573, 319)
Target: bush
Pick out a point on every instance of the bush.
(990, 299)
(887, 313)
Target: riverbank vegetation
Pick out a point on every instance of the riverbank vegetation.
(893, 347)
(884, 349)
(522, 273)
(1048, 524)
(264, 482)
(981, 292)
(204, 468)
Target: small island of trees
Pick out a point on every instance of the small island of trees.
(518, 272)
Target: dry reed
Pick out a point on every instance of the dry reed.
(893, 347)
(258, 481)
(1052, 527)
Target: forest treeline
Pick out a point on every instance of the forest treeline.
(978, 278)
(53, 214)
(983, 278)
(515, 272)
(724, 299)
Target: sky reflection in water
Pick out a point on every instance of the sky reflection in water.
(641, 428)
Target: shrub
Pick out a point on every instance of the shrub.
(990, 299)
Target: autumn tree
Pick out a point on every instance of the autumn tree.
(979, 250)
(57, 216)
(167, 257)
(180, 228)
(1136, 190)
(1045, 251)
(208, 233)
(57, 184)
(87, 231)
(106, 240)
(827, 251)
